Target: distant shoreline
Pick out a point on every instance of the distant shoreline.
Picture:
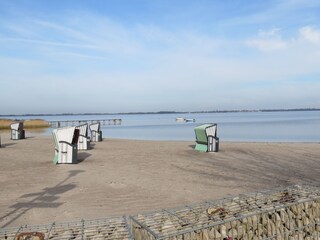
(164, 112)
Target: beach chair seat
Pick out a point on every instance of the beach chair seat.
(96, 133)
(65, 140)
(206, 138)
(17, 131)
(83, 140)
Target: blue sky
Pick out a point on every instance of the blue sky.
(155, 55)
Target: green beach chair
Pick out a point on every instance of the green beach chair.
(206, 138)
(56, 146)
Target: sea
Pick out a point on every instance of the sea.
(278, 126)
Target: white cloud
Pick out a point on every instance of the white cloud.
(274, 32)
(272, 40)
(310, 34)
(269, 40)
(150, 66)
(267, 45)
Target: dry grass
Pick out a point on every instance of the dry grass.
(5, 123)
(32, 123)
(36, 123)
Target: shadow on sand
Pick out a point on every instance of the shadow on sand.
(83, 156)
(3, 145)
(46, 198)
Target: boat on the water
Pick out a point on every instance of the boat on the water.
(190, 120)
(181, 119)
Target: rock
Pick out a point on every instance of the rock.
(214, 233)
(233, 233)
(167, 225)
(214, 210)
(223, 231)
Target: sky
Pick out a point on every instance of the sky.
(111, 56)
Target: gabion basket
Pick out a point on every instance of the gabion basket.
(282, 213)
(107, 228)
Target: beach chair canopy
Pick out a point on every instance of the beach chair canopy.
(66, 134)
(17, 126)
(95, 127)
(83, 130)
(203, 131)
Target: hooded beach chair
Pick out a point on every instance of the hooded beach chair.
(83, 140)
(17, 131)
(96, 133)
(206, 138)
(65, 149)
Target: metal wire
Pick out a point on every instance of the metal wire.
(106, 228)
(190, 220)
(166, 224)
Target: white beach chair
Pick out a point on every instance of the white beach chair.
(96, 133)
(17, 131)
(65, 140)
(83, 140)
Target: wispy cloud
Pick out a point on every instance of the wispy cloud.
(310, 34)
(270, 40)
(153, 66)
(36, 42)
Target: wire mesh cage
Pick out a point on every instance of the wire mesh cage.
(107, 228)
(283, 213)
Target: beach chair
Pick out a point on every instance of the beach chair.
(65, 141)
(96, 133)
(17, 131)
(83, 140)
(206, 138)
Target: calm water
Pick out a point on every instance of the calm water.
(300, 126)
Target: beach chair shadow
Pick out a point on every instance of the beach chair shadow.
(3, 145)
(92, 145)
(29, 137)
(83, 156)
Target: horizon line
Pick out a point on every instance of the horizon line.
(167, 112)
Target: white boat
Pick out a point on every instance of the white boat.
(181, 119)
(190, 120)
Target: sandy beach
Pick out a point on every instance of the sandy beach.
(124, 177)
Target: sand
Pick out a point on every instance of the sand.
(126, 177)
